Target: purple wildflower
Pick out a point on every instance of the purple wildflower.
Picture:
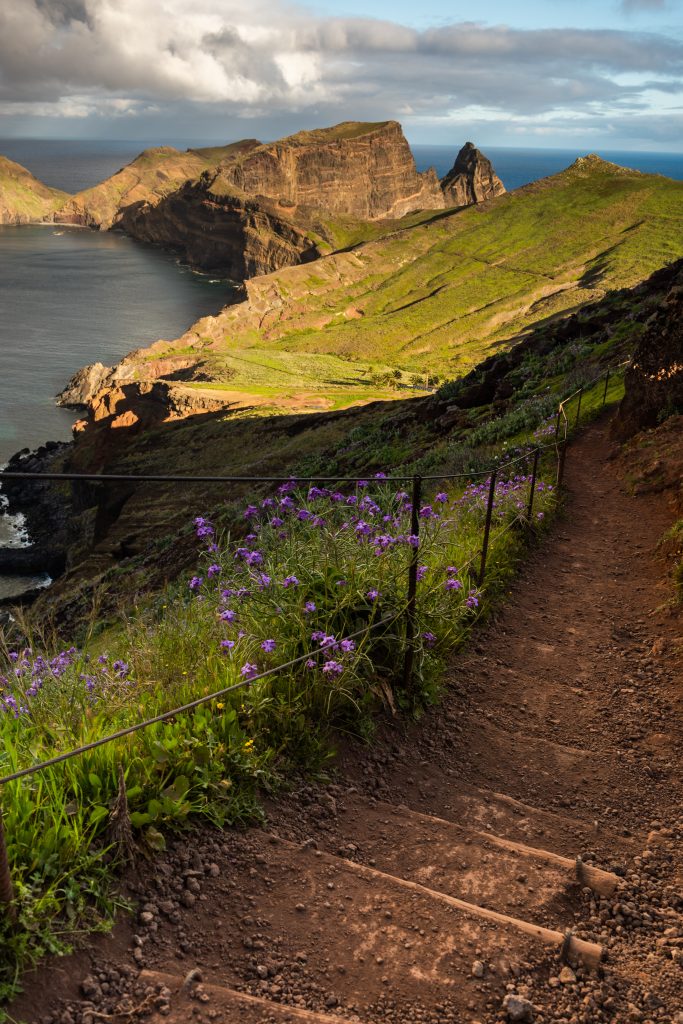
(268, 646)
(347, 646)
(452, 584)
(228, 615)
(227, 645)
(333, 668)
(249, 670)
(372, 595)
(290, 581)
(213, 570)
(195, 583)
(429, 639)
(309, 607)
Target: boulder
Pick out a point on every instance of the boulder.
(83, 386)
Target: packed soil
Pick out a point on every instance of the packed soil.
(436, 879)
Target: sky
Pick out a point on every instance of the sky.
(584, 74)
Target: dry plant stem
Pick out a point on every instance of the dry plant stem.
(119, 824)
(6, 887)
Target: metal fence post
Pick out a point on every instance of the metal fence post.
(557, 425)
(411, 604)
(6, 887)
(562, 460)
(578, 409)
(604, 394)
(487, 525)
(534, 472)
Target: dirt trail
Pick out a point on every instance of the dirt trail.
(436, 879)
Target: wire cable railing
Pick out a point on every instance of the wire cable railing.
(409, 613)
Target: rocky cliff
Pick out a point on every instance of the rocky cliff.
(24, 199)
(250, 208)
(654, 379)
(141, 185)
(471, 179)
(359, 170)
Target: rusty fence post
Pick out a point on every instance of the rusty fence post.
(604, 394)
(6, 887)
(411, 604)
(578, 409)
(487, 525)
(534, 473)
(561, 462)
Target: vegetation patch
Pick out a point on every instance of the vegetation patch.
(320, 576)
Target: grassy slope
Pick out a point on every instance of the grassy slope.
(22, 197)
(151, 176)
(441, 294)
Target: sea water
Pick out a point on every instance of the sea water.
(71, 296)
(68, 297)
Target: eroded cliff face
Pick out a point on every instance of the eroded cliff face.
(654, 378)
(216, 230)
(471, 179)
(250, 208)
(358, 170)
(265, 207)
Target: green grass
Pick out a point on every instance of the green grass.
(310, 380)
(444, 293)
(314, 577)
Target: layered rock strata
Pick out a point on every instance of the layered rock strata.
(471, 179)
(250, 208)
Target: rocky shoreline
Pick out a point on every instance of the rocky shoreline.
(45, 510)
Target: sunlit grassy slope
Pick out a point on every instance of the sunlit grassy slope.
(439, 295)
(22, 197)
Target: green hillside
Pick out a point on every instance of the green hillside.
(440, 294)
(23, 198)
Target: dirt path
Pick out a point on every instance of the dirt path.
(436, 880)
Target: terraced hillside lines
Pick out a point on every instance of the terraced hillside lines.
(453, 286)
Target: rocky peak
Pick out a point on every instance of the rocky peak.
(471, 179)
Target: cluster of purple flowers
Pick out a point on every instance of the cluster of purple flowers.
(31, 673)
(510, 495)
(295, 516)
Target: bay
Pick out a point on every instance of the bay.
(69, 297)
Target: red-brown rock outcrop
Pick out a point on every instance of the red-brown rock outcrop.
(471, 179)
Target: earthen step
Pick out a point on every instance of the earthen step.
(563, 832)
(185, 997)
(472, 864)
(345, 934)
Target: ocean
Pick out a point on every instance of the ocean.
(77, 164)
(69, 297)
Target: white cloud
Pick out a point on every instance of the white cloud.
(83, 58)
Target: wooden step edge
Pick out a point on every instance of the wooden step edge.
(180, 986)
(568, 946)
(602, 882)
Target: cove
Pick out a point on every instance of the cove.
(69, 297)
